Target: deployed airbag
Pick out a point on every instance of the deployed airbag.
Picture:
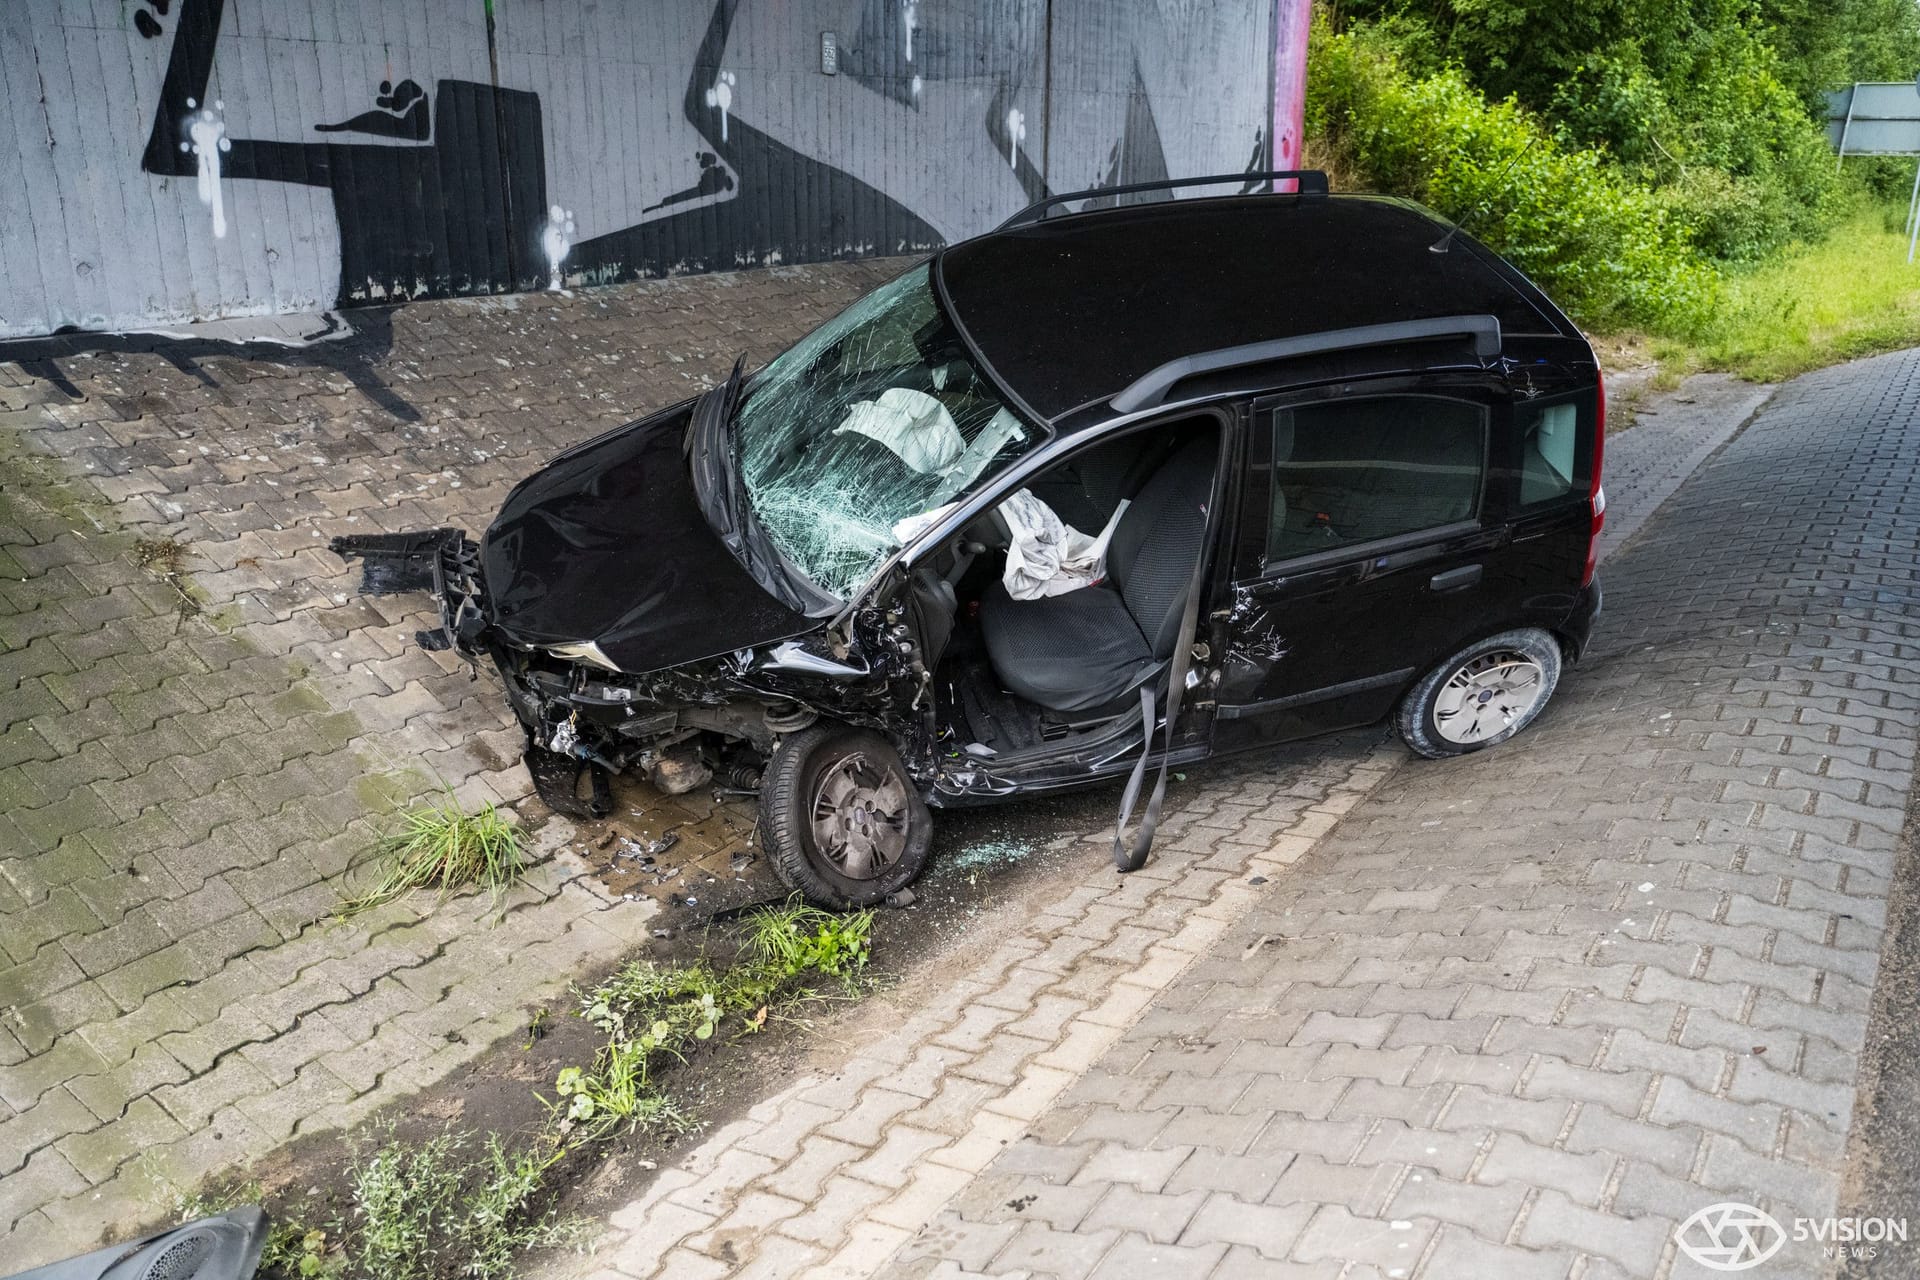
(1047, 556)
(920, 431)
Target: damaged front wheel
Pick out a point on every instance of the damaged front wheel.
(840, 819)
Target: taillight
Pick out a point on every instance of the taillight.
(1596, 494)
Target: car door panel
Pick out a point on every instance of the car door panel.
(1330, 639)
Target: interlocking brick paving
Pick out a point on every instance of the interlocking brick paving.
(181, 795)
(1523, 1013)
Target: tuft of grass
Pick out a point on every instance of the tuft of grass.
(1848, 295)
(795, 938)
(442, 845)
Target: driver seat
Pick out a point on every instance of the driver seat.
(1093, 647)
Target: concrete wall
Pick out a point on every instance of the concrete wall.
(178, 159)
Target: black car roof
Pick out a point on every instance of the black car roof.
(1072, 309)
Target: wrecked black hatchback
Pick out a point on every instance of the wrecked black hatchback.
(1110, 488)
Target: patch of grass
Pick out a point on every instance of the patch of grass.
(441, 844)
(418, 1211)
(651, 1013)
(795, 938)
(293, 1247)
(1848, 295)
(434, 1208)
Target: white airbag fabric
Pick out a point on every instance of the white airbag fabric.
(1047, 556)
(920, 431)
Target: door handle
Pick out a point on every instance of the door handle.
(1455, 579)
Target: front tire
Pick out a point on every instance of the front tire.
(1482, 695)
(840, 819)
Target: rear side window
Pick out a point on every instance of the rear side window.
(1356, 471)
(1555, 451)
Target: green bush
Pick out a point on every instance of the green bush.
(1717, 105)
(1610, 252)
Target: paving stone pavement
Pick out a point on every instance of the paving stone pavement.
(180, 796)
(1514, 1015)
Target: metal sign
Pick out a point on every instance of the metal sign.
(1875, 119)
(1880, 118)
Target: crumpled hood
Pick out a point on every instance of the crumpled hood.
(607, 543)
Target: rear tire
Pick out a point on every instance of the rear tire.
(1482, 695)
(840, 819)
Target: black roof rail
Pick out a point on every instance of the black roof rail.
(1312, 182)
(1150, 389)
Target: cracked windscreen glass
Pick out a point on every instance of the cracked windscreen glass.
(871, 420)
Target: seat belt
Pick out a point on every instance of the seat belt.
(1132, 859)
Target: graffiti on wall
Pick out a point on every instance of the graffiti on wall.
(542, 146)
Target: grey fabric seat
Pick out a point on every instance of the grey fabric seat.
(1094, 646)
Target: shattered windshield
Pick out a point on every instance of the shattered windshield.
(873, 419)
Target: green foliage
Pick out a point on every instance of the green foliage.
(653, 1012)
(1716, 104)
(1608, 251)
(1845, 295)
(293, 1247)
(795, 939)
(443, 845)
(434, 1208)
(418, 1211)
(421, 1210)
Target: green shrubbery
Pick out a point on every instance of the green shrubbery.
(1610, 252)
(651, 1013)
(1670, 145)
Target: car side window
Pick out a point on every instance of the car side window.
(1550, 452)
(1353, 471)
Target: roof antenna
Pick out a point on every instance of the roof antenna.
(1445, 242)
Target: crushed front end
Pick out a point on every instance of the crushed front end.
(718, 717)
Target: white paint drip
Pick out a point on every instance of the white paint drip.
(721, 96)
(1016, 134)
(909, 23)
(207, 139)
(555, 242)
(916, 86)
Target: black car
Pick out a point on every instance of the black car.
(1112, 488)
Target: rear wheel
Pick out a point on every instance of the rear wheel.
(840, 819)
(1482, 695)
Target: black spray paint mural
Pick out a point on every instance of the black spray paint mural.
(485, 146)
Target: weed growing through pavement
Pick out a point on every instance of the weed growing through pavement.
(651, 1013)
(435, 1208)
(446, 1207)
(441, 844)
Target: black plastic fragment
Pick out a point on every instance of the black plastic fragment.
(556, 779)
(395, 562)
